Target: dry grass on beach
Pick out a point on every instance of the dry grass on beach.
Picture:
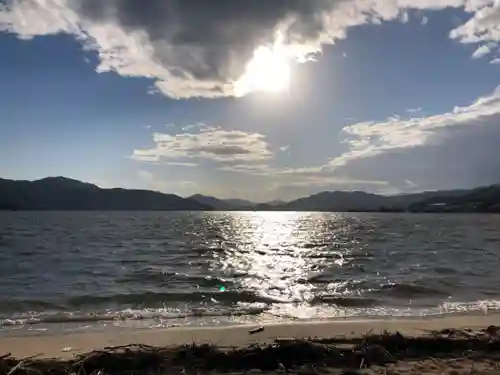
(450, 351)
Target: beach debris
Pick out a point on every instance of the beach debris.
(67, 349)
(293, 356)
(21, 365)
(256, 330)
(282, 368)
(492, 330)
(254, 371)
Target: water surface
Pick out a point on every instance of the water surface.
(106, 270)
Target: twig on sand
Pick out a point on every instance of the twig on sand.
(256, 330)
(21, 365)
(471, 368)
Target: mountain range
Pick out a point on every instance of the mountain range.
(60, 193)
(234, 204)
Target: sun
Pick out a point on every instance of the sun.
(268, 71)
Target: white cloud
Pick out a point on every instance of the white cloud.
(182, 163)
(189, 127)
(304, 171)
(147, 180)
(322, 181)
(414, 110)
(404, 17)
(369, 139)
(483, 26)
(196, 56)
(209, 143)
(251, 169)
(482, 51)
(410, 184)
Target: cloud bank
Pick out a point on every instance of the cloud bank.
(199, 48)
(448, 150)
(456, 148)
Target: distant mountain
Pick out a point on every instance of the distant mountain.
(361, 201)
(59, 193)
(276, 202)
(240, 203)
(223, 204)
(216, 203)
(337, 201)
(482, 199)
(403, 201)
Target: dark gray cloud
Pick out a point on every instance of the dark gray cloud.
(221, 150)
(200, 47)
(219, 36)
(191, 47)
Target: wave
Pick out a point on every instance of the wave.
(409, 290)
(350, 307)
(158, 278)
(116, 316)
(139, 300)
(13, 305)
(347, 301)
(315, 245)
(152, 299)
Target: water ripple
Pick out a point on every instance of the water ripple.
(94, 266)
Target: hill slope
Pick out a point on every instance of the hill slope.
(223, 204)
(216, 203)
(361, 201)
(337, 201)
(59, 193)
(483, 199)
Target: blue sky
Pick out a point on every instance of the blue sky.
(399, 97)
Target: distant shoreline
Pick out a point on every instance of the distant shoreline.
(63, 194)
(251, 210)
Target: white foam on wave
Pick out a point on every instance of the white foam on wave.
(245, 313)
(158, 314)
(329, 311)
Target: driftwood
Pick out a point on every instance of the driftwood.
(283, 355)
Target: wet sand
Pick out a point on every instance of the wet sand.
(59, 345)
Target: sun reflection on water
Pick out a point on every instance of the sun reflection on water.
(277, 255)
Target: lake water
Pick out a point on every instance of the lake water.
(76, 271)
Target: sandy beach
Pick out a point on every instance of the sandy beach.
(55, 345)
(469, 328)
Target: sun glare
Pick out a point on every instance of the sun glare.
(267, 71)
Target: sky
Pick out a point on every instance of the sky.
(252, 99)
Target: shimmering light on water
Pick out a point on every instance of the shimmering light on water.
(275, 253)
(161, 269)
